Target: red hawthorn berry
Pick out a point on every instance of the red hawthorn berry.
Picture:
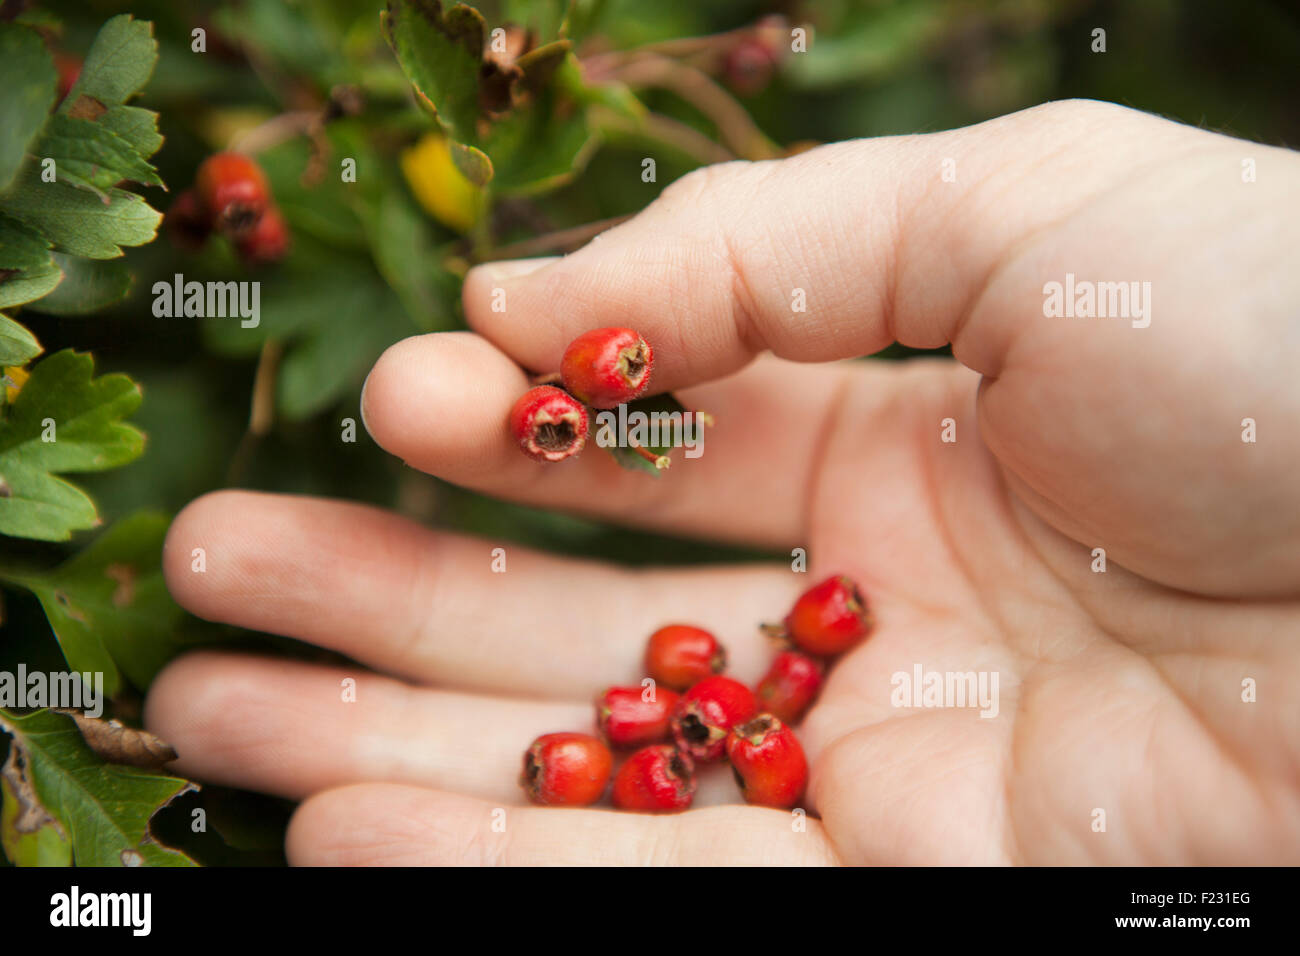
(234, 190)
(790, 685)
(549, 423)
(659, 778)
(606, 367)
(680, 655)
(627, 719)
(187, 222)
(568, 770)
(266, 242)
(706, 712)
(830, 618)
(749, 65)
(768, 762)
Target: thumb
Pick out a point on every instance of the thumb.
(834, 253)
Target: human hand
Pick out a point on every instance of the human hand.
(1120, 691)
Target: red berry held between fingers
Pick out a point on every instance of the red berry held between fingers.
(829, 618)
(706, 712)
(680, 655)
(768, 762)
(549, 424)
(655, 779)
(628, 719)
(570, 770)
(606, 367)
(234, 191)
(790, 685)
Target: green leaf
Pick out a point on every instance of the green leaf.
(88, 285)
(119, 64)
(76, 221)
(27, 286)
(29, 835)
(333, 329)
(870, 43)
(137, 126)
(626, 437)
(440, 54)
(540, 63)
(82, 414)
(26, 270)
(545, 17)
(615, 96)
(472, 163)
(89, 156)
(338, 352)
(30, 83)
(109, 606)
(534, 150)
(21, 247)
(17, 345)
(104, 808)
(401, 247)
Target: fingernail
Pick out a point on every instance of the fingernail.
(512, 268)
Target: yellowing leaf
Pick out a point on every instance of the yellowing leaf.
(15, 377)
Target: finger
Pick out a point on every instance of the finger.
(833, 253)
(845, 248)
(440, 403)
(385, 825)
(292, 729)
(429, 607)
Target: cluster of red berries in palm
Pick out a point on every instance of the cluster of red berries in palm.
(690, 714)
(602, 369)
(232, 197)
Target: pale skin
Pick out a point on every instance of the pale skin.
(1119, 691)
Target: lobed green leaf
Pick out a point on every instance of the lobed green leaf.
(63, 420)
(104, 809)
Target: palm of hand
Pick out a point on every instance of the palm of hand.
(1121, 701)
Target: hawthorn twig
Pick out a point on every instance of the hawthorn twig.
(561, 240)
(261, 414)
(666, 130)
(735, 126)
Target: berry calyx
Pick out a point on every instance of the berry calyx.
(549, 424)
(680, 655)
(828, 619)
(705, 713)
(234, 190)
(768, 762)
(566, 770)
(656, 779)
(635, 716)
(606, 367)
(790, 686)
(266, 242)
